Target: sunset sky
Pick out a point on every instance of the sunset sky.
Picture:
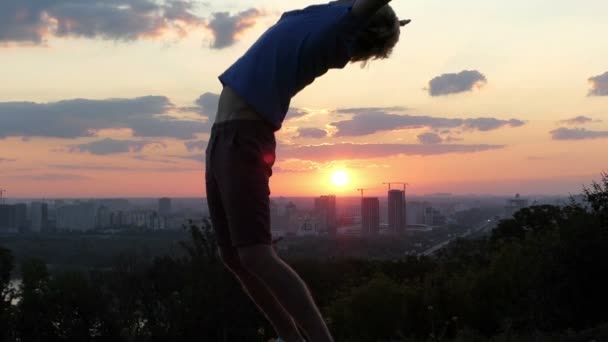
(103, 98)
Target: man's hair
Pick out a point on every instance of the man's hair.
(377, 39)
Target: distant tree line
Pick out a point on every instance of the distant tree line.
(540, 276)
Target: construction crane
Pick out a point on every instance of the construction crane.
(2, 191)
(361, 190)
(404, 185)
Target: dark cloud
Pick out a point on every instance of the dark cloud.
(295, 113)
(7, 160)
(490, 124)
(207, 105)
(599, 85)
(311, 133)
(111, 146)
(577, 134)
(579, 120)
(430, 138)
(196, 145)
(33, 21)
(464, 81)
(146, 116)
(370, 121)
(225, 27)
(345, 151)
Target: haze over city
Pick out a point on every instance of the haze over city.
(486, 98)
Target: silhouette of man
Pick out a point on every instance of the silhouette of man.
(303, 45)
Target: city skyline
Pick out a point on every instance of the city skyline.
(477, 98)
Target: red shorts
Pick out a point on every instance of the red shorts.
(239, 159)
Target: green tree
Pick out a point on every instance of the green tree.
(6, 294)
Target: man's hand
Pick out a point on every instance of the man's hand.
(367, 8)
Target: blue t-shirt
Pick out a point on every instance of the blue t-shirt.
(300, 47)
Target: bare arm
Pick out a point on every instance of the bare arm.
(367, 8)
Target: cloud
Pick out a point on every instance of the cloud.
(196, 145)
(490, 124)
(34, 21)
(372, 120)
(146, 116)
(577, 134)
(199, 157)
(579, 120)
(599, 85)
(55, 177)
(89, 167)
(311, 133)
(295, 113)
(207, 105)
(346, 151)
(111, 146)
(153, 160)
(464, 81)
(7, 160)
(430, 138)
(225, 27)
(371, 110)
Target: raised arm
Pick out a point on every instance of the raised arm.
(367, 8)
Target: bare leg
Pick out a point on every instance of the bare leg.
(282, 322)
(287, 287)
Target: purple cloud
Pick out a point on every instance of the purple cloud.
(577, 134)
(225, 27)
(464, 81)
(430, 138)
(376, 120)
(344, 151)
(111, 146)
(599, 85)
(146, 116)
(315, 133)
(579, 120)
(33, 21)
(196, 145)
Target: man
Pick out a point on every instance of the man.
(303, 45)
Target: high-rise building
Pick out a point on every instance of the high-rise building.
(20, 216)
(415, 212)
(78, 216)
(103, 218)
(7, 218)
(291, 218)
(433, 217)
(325, 215)
(396, 211)
(164, 206)
(39, 212)
(370, 216)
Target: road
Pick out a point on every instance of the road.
(482, 227)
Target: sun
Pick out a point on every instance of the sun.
(339, 178)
